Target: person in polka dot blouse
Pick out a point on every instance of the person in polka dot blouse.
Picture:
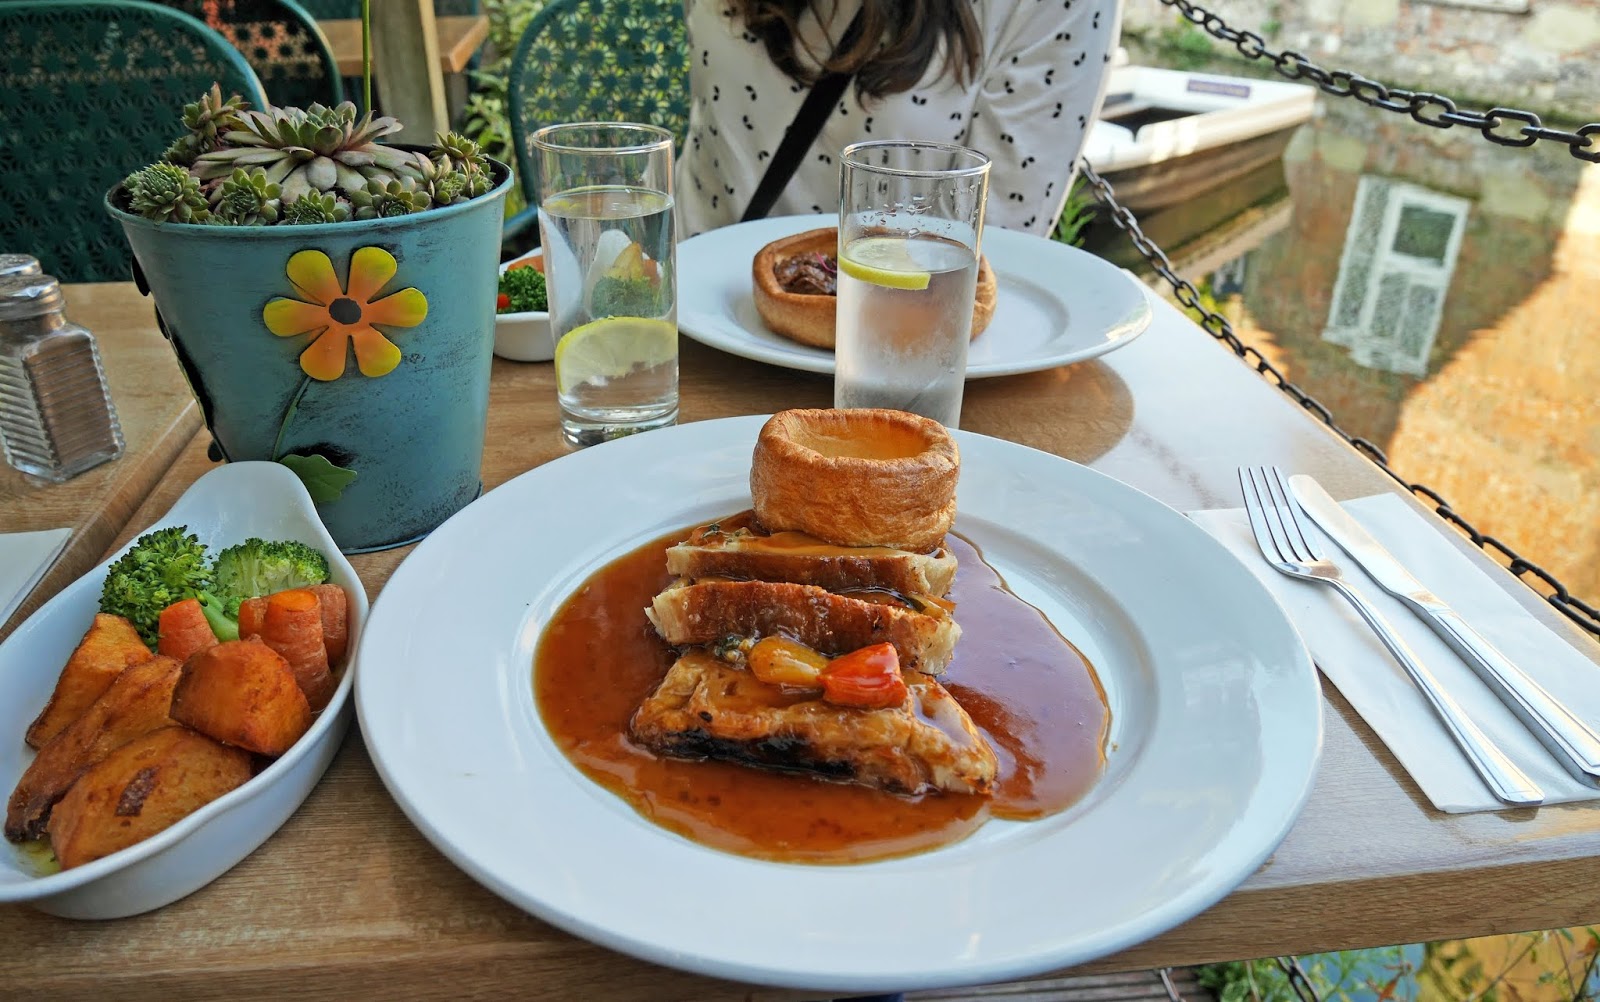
(1024, 95)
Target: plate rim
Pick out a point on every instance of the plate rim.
(1282, 809)
(1116, 337)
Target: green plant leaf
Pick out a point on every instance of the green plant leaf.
(1076, 214)
(366, 55)
(324, 481)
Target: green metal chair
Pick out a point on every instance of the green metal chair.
(94, 90)
(280, 41)
(596, 61)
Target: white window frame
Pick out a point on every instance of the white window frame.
(1367, 347)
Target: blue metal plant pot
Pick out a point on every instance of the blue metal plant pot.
(341, 348)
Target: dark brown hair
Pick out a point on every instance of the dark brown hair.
(897, 41)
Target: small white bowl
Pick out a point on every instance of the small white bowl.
(523, 337)
(224, 507)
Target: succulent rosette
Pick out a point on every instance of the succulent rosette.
(235, 166)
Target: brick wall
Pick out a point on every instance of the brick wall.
(1546, 59)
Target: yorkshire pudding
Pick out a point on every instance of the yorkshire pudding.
(856, 477)
(808, 316)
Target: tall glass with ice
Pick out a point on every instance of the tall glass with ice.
(910, 234)
(605, 221)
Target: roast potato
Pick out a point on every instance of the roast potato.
(136, 704)
(242, 693)
(143, 787)
(111, 645)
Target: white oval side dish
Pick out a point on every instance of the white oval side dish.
(224, 507)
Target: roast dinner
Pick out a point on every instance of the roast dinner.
(796, 282)
(830, 676)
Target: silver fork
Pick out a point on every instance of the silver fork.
(1290, 548)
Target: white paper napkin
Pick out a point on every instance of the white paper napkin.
(1353, 658)
(24, 557)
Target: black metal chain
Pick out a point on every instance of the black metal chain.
(1188, 295)
(1429, 109)
(1303, 988)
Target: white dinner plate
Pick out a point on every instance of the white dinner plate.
(1057, 304)
(1216, 727)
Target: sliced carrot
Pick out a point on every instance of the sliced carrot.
(293, 628)
(183, 630)
(335, 620)
(536, 263)
(252, 613)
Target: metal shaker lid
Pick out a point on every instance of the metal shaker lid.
(19, 264)
(23, 296)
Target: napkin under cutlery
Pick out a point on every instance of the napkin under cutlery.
(1352, 657)
(24, 557)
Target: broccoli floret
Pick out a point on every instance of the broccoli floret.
(261, 567)
(525, 289)
(625, 297)
(162, 567)
(223, 624)
(170, 565)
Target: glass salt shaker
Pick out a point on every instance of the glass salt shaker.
(19, 264)
(56, 416)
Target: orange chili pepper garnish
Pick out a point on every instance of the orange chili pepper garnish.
(868, 678)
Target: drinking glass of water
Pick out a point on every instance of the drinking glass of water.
(910, 230)
(605, 221)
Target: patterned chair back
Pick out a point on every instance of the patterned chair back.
(94, 90)
(598, 61)
(280, 41)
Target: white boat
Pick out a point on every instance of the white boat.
(1164, 136)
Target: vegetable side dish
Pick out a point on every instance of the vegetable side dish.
(522, 288)
(193, 673)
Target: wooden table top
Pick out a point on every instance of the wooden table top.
(348, 897)
(460, 36)
(158, 417)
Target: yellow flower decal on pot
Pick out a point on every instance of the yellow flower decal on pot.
(335, 316)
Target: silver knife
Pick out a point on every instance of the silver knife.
(1574, 743)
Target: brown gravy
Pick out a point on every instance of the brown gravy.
(1026, 687)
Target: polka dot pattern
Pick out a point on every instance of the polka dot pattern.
(1038, 87)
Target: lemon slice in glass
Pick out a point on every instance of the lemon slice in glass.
(884, 261)
(611, 348)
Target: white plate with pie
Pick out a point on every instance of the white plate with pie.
(1056, 304)
(1214, 740)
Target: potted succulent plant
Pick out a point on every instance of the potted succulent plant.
(331, 300)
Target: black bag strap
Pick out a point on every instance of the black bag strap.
(803, 131)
